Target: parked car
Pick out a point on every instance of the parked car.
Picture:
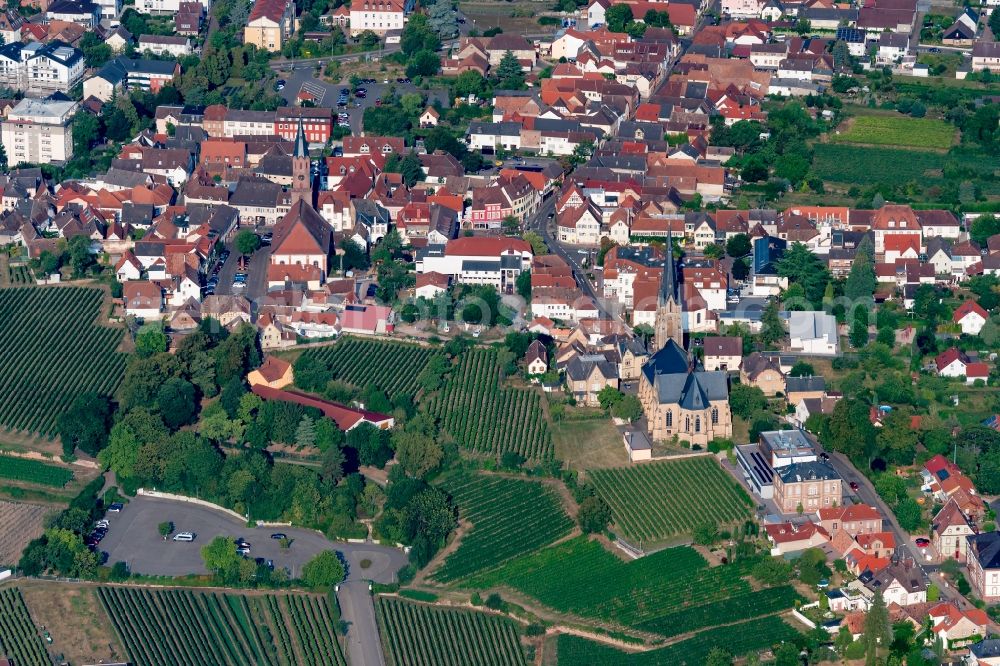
(279, 85)
(116, 507)
(854, 486)
(184, 536)
(243, 551)
(279, 535)
(923, 542)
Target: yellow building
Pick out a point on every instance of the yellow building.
(271, 22)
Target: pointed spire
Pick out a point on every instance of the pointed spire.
(301, 147)
(668, 283)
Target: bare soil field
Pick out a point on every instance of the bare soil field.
(19, 524)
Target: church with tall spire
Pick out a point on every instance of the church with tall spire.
(667, 325)
(302, 181)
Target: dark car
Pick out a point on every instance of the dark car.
(854, 486)
(279, 535)
(824, 455)
(923, 542)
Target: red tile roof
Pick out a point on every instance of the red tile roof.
(345, 417)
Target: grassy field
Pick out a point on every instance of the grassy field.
(738, 639)
(657, 501)
(897, 131)
(80, 629)
(842, 163)
(183, 626)
(670, 592)
(924, 171)
(33, 471)
(510, 517)
(415, 634)
(52, 350)
(588, 443)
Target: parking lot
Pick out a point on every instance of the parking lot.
(304, 76)
(133, 538)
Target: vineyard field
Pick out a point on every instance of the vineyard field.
(510, 517)
(842, 163)
(19, 524)
(394, 367)
(654, 593)
(34, 471)
(183, 626)
(898, 130)
(52, 350)
(654, 502)
(487, 418)
(19, 639)
(738, 639)
(415, 634)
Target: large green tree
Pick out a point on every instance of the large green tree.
(85, 424)
(804, 268)
(323, 571)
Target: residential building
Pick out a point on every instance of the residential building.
(38, 70)
(722, 353)
(274, 372)
(986, 55)
(789, 538)
(176, 46)
(167, 6)
(536, 359)
(807, 487)
(984, 653)
(271, 22)
(813, 333)
(478, 260)
(143, 299)
(39, 132)
(854, 519)
(902, 582)
(130, 74)
(379, 16)
(957, 628)
(983, 560)
(950, 530)
(971, 317)
(764, 372)
(587, 375)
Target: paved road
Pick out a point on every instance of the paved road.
(133, 538)
(539, 222)
(364, 648)
(866, 493)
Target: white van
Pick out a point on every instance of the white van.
(184, 536)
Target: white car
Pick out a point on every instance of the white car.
(184, 536)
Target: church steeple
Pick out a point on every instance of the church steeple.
(302, 185)
(667, 325)
(668, 283)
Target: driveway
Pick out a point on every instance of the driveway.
(133, 538)
(364, 648)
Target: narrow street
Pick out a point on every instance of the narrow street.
(539, 223)
(866, 493)
(364, 647)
